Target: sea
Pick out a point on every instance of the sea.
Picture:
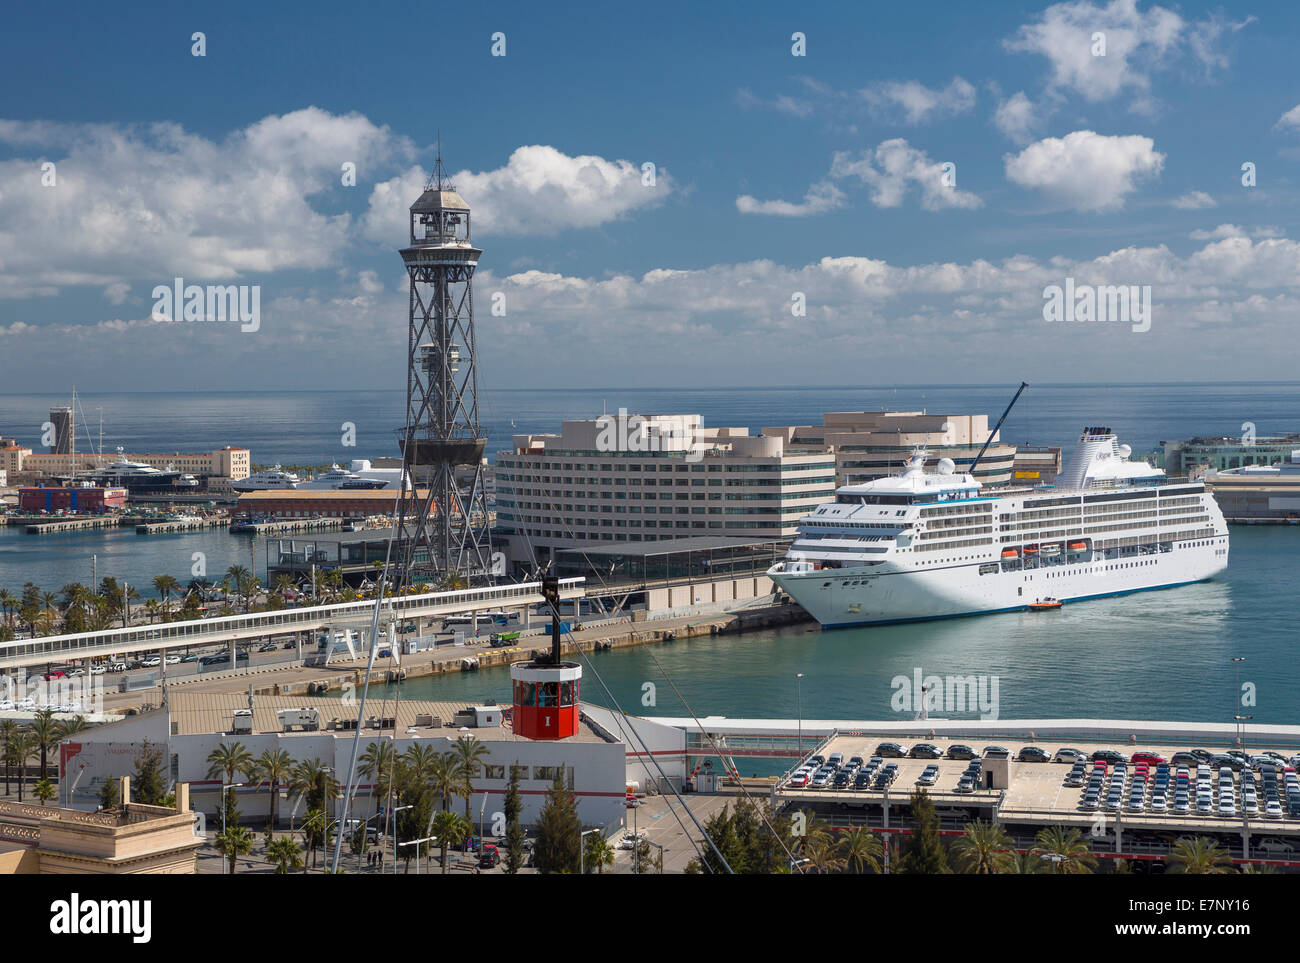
(1154, 655)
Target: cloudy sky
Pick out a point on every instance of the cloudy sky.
(882, 199)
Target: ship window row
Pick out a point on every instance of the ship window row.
(984, 518)
(977, 530)
(943, 546)
(1042, 515)
(1119, 497)
(1042, 535)
(955, 510)
(1047, 502)
(1120, 517)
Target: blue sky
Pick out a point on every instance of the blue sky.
(777, 176)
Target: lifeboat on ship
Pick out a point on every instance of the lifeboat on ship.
(1010, 553)
(1078, 546)
(1031, 549)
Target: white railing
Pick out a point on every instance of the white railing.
(58, 648)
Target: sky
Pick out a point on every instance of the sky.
(687, 194)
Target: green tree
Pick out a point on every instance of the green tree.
(8, 729)
(226, 761)
(1065, 852)
(273, 768)
(598, 853)
(236, 841)
(19, 748)
(450, 829)
(109, 795)
(148, 784)
(45, 791)
(45, 728)
(286, 854)
(1199, 856)
(981, 849)
(514, 860)
(1022, 864)
(443, 778)
(923, 852)
(377, 764)
(470, 753)
(862, 850)
(558, 831)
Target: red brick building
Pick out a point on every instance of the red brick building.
(80, 501)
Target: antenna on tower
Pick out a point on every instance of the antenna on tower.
(439, 180)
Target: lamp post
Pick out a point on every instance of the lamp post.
(396, 810)
(224, 786)
(582, 850)
(417, 842)
(1236, 698)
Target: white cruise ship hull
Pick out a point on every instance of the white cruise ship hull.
(882, 594)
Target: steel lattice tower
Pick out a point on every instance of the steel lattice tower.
(444, 518)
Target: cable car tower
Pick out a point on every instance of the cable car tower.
(443, 522)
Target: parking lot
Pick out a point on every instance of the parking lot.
(1037, 793)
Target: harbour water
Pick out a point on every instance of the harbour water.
(1156, 655)
(1153, 655)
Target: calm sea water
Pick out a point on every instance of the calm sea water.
(1156, 655)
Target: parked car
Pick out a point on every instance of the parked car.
(189, 657)
(98, 670)
(996, 752)
(959, 751)
(1151, 758)
(1108, 755)
(489, 856)
(891, 750)
(1069, 755)
(1033, 754)
(925, 750)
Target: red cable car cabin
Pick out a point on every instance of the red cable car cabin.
(546, 699)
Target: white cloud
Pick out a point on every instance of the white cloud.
(1194, 201)
(821, 197)
(1138, 43)
(1085, 170)
(892, 170)
(1289, 120)
(782, 103)
(920, 104)
(540, 191)
(1018, 118)
(152, 202)
(1218, 233)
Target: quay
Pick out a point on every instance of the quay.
(178, 525)
(285, 526)
(47, 526)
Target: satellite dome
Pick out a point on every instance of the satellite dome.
(946, 466)
(1125, 450)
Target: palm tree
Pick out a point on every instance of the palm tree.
(469, 754)
(67, 728)
(449, 829)
(45, 731)
(236, 841)
(45, 791)
(273, 767)
(20, 748)
(1199, 855)
(311, 782)
(599, 852)
(443, 778)
(286, 855)
(164, 585)
(153, 607)
(822, 856)
(9, 603)
(1066, 852)
(377, 765)
(862, 850)
(1021, 864)
(226, 760)
(8, 730)
(981, 849)
(419, 762)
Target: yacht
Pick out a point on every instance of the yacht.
(358, 476)
(134, 476)
(268, 479)
(930, 545)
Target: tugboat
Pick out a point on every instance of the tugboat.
(1045, 604)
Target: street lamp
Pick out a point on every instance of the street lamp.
(416, 842)
(224, 787)
(1236, 661)
(582, 851)
(395, 811)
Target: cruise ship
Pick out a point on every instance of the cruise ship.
(928, 545)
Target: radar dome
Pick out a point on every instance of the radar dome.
(1125, 450)
(946, 466)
